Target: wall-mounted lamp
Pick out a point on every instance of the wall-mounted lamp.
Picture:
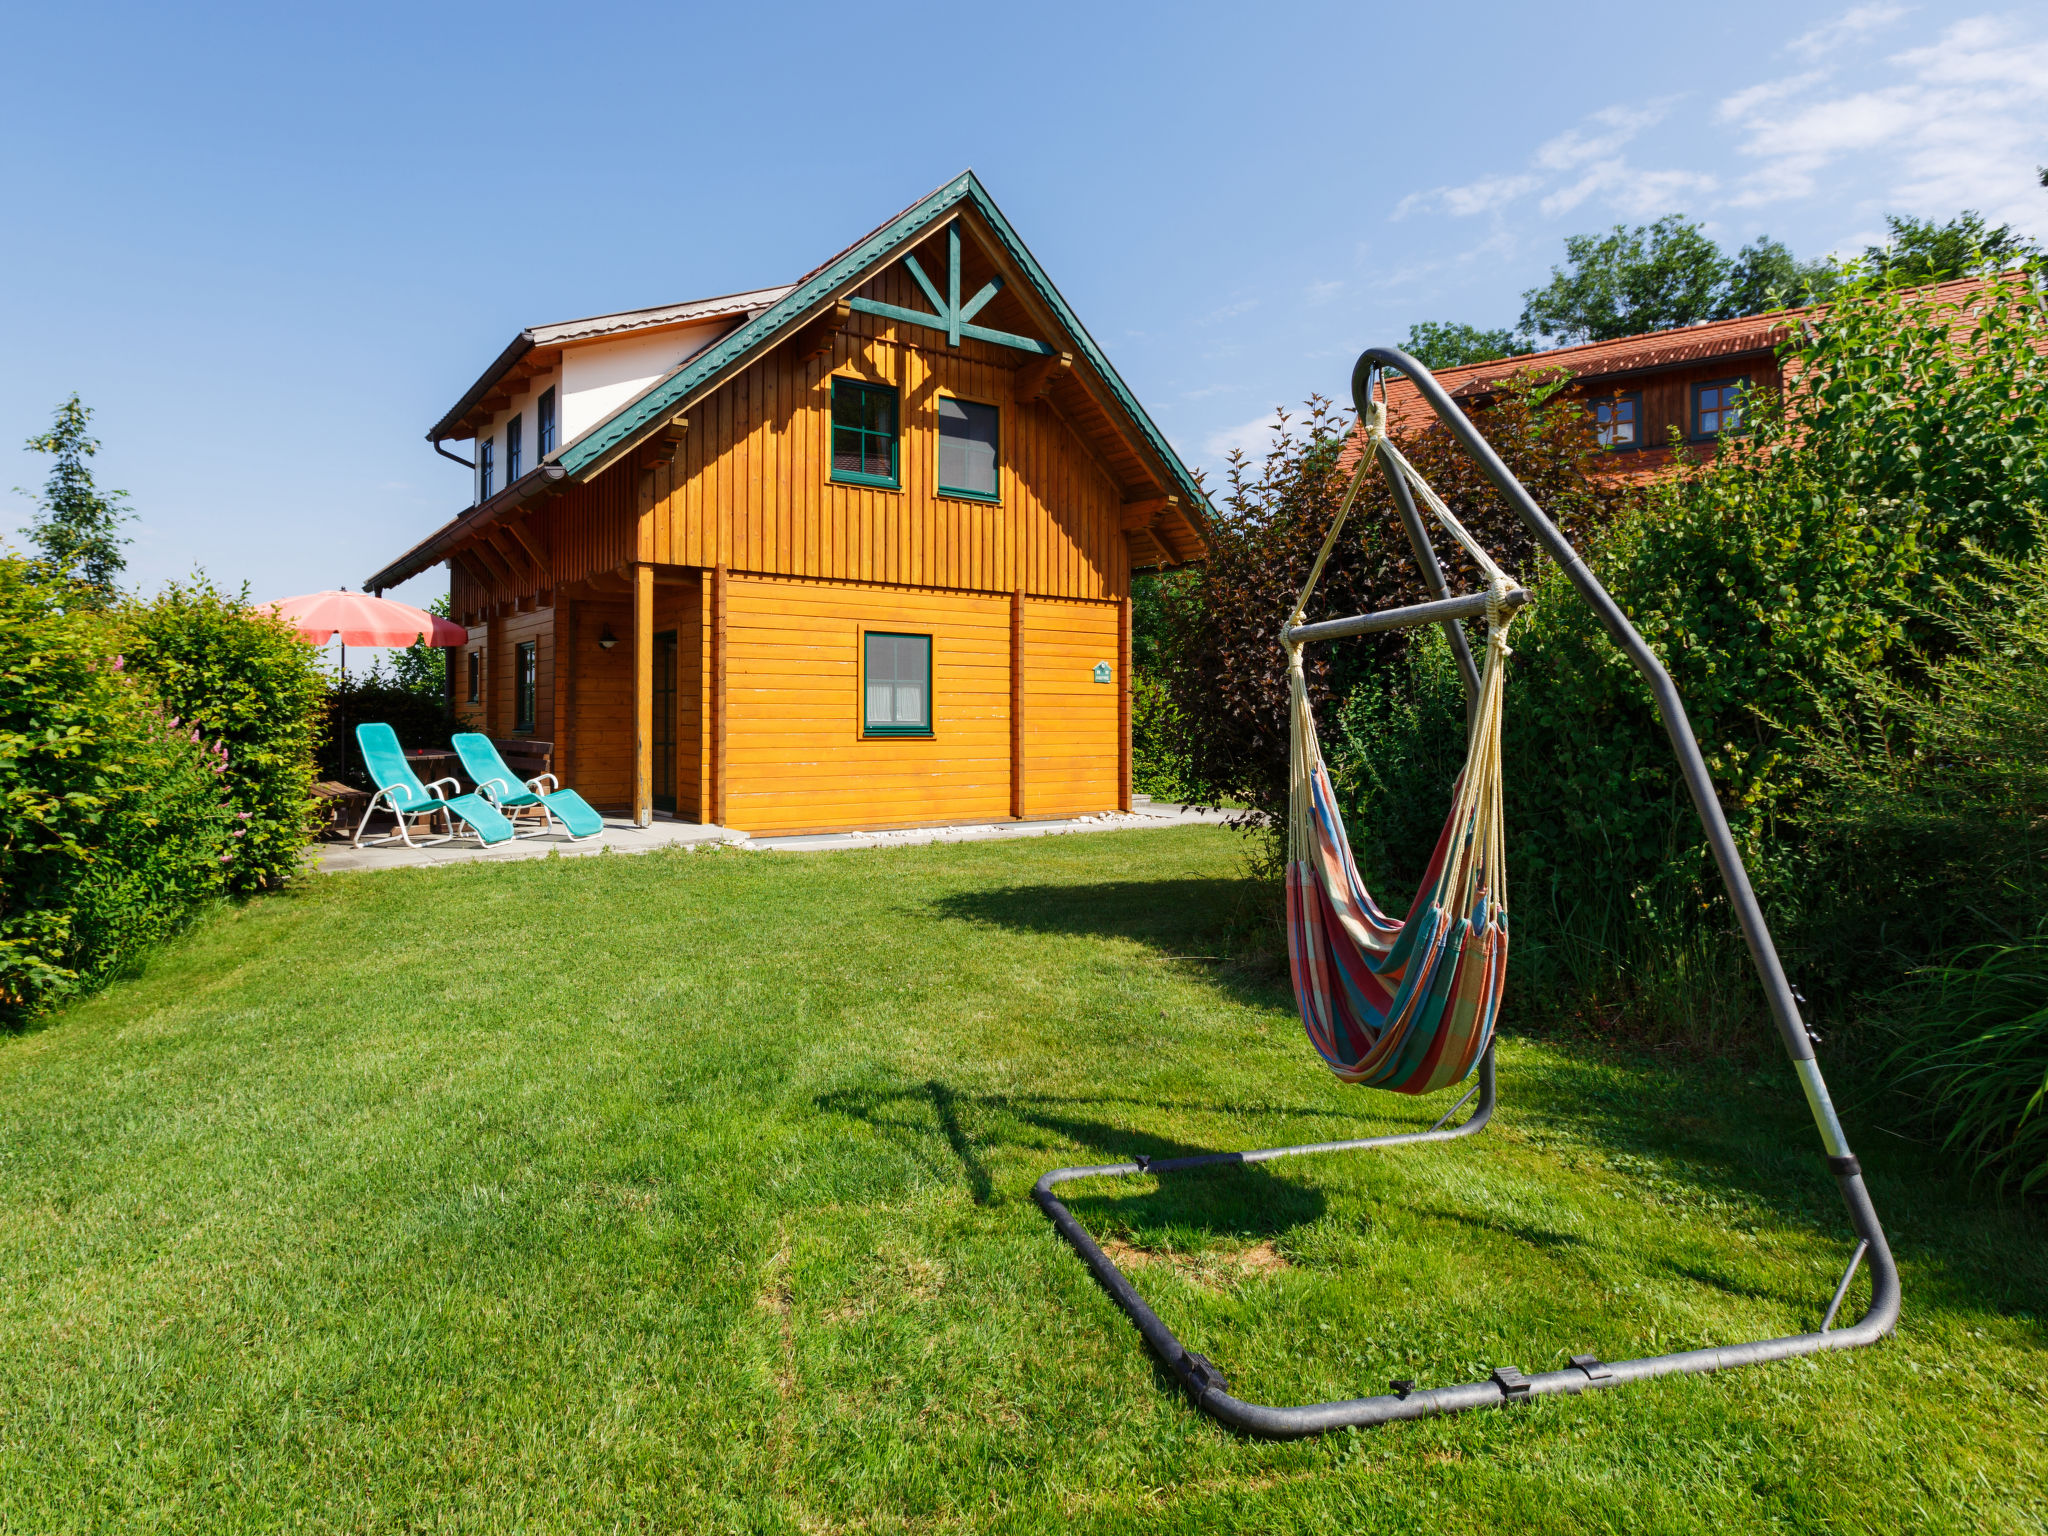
(606, 639)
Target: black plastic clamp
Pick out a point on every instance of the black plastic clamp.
(1144, 1163)
(1591, 1365)
(1841, 1166)
(1511, 1382)
(1202, 1372)
(1402, 1385)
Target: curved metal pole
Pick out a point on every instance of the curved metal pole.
(1699, 783)
(1587, 1372)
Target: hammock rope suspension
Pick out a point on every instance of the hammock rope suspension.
(1405, 1005)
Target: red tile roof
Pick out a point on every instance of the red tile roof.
(1678, 348)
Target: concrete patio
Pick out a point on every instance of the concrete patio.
(621, 836)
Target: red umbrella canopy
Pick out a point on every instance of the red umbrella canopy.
(361, 619)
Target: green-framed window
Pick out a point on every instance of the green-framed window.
(864, 433)
(896, 684)
(968, 442)
(1717, 407)
(525, 684)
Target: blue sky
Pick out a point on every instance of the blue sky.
(271, 244)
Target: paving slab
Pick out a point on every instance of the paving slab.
(621, 836)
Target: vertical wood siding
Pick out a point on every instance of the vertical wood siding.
(751, 487)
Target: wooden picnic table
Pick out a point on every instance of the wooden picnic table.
(431, 764)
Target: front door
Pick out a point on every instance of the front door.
(665, 721)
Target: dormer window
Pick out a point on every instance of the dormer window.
(1717, 407)
(544, 426)
(486, 468)
(515, 449)
(1618, 422)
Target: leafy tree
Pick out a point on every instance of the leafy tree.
(1666, 274)
(1649, 278)
(1765, 275)
(77, 526)
(1448, 344)
(1922, 251)
(420, 667)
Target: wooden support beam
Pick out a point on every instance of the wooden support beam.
(716, 693)
(1123, 705)
(478, 572)
(1036, 377)
(503, 578)
(1017, 704)
(516, 560)
(671, 434)
(1141, 515)
(568, 666)
(818, 334)
(643, 695)
(528, 543)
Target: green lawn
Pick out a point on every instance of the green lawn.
(692, 1192)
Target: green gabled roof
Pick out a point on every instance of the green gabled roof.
(845, 270)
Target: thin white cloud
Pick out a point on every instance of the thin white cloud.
(1252, 438)
(1600, 136)
(1959, 122)
(1322, 293)
(1746, 103)
(1846, 30)
(1963, 127)
(1475, 197)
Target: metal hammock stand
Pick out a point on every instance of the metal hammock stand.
(1204, 1382)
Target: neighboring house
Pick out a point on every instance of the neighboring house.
(853, 552)
(1641, 390)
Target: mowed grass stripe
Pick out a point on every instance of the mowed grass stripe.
(692, 1191)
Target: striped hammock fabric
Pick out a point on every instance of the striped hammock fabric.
(1410, 1005)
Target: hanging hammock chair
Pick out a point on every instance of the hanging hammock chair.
(1404, 1005)
(1410, 1005)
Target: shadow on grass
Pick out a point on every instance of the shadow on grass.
(1176, 917)
(1180, 1210)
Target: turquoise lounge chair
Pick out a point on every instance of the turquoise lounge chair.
(400, 792)
(481, 761)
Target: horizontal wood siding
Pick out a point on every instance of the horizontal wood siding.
(796, 759)
(1072, 745)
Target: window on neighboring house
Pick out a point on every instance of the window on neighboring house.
(967, 449)
(486, 467)
(863, 433)
(476, 676)
(525, 685)
(1618, 422)
(1717, 408)
(515, 448)
(544, 426)
(897, 679)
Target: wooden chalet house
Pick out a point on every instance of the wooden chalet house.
(852, 552)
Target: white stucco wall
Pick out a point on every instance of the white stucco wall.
(602, 376)
(594, 380)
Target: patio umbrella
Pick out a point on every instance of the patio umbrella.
(361, 619)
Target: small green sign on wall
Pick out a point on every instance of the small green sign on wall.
(1102, 671)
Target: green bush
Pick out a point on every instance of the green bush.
(244, 678)
(114, 823)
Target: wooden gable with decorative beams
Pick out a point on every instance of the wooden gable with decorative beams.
(683, 596)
